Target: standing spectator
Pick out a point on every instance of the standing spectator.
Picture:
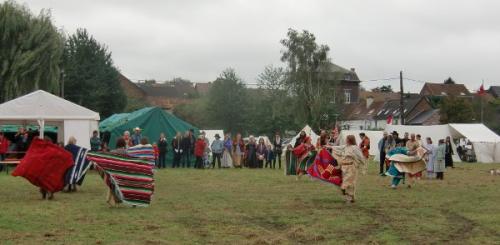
(4, 148)
(162, 150)
(440, 165)
(448, 152)
(396, 138)
(206, 161)
(431, 158)
(381, 149)
(199, 150)
(420, 141)
(177, 147)
(186, 150)
(95, 141)
(128, 140)
(227, 160)
(192, 141)
(405, 139)
(238, 151)
(270, 156)
(365, 145)
(217, 149)
(261, 153)
(278, 149)
(251, 153)
(21, 139)
(120, 147)
(136, 137)
(156, 154)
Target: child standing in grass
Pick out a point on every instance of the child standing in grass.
(439, 164)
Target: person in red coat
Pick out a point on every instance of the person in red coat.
(199, 150)
(4, 147)
(365, 145)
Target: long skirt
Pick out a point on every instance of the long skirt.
(227, 160)
(349, 179)
(291, 163)
(237, 159)
(306, 162)
(448, 160)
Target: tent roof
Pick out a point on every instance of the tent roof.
(309, 132)
(475, 132)
(44, 105)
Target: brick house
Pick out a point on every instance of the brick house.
(346, 83)
(441, 89)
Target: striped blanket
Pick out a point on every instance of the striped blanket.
(143, 151)
(76, 174)
(324, 168)
(130, 179)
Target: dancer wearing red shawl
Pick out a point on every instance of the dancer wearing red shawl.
(303, 151)
(45, 165)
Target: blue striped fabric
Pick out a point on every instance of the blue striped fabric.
(143, 151)
(76, 174)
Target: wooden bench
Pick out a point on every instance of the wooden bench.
(9, 162)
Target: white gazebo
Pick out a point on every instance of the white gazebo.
(43, 108)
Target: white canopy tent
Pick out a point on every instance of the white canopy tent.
(485, 142)
(374, 137)
(44, 108)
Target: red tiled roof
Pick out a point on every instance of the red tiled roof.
(441, 89)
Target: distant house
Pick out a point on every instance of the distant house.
(203, 88)
(495, 91)
(164, 95)
(346, 83)
(441, 89)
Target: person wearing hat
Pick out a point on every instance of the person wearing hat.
(136, 137)
(217, 150)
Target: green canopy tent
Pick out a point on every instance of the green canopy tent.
(151, 120)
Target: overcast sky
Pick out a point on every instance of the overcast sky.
(429, 40)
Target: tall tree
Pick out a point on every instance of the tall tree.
(307, 64)
(90, 78)
(449, 80)
(456, 110)
(30, 53)
(227, 101)
(383, 89)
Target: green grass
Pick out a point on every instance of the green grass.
(243, 206)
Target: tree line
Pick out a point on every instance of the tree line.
(37, 55)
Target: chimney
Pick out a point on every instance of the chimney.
(369, 102)
(353, 69)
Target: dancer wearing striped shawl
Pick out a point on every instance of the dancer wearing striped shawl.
(143, 150)
(130, 179)
(76, 174)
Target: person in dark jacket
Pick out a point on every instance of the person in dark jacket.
(162, 150)
(448, 161)
(187, 150)
(278, 149)
(251, 153)
(177, 148)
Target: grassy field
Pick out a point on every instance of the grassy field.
(243, 206)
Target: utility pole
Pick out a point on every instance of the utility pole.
(401, 103)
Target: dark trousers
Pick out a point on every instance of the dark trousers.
(260, 163)
(440, 175)
(278, 158)
(186, 158)
(177, 160)
(199, 162)
(216, 156)
(269, 162)
(161, 160)
(2, 157)
(382, 162)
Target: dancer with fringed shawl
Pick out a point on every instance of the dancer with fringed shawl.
(404, 161)
(304, 152)
(351, 161)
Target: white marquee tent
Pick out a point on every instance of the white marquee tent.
(44, 108)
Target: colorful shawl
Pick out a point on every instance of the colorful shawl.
(76, 174)
(146, 152)
(45, 165)
(404, 163)
(130, 179)
(324, 168)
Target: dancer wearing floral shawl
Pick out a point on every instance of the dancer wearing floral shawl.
(305, 154)
(351, 161)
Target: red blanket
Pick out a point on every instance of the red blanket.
(324, 169)
(45, 165)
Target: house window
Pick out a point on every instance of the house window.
(347, 96)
